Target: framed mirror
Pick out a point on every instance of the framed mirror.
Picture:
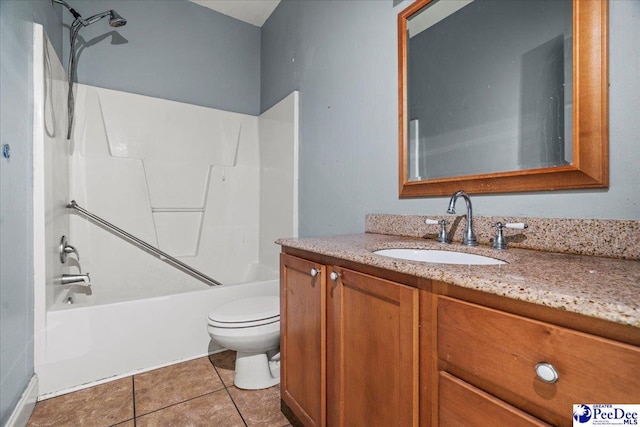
(499, 96)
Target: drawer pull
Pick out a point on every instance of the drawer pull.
(314, 272)
(546, 372)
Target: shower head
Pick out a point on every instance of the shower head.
(115, 20)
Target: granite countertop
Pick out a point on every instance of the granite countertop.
(605, 288)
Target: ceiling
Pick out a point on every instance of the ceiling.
(254, 12)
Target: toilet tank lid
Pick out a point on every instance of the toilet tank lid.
(247, 310)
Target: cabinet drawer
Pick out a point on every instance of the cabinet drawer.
(498, 352)
(461, 404)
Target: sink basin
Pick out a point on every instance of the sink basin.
(440, 257)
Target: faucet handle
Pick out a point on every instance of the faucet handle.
(499, 241)
(443, 236)
(516, 225)
(65, 249)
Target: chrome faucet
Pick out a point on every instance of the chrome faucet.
(469, 237)
(75, 278)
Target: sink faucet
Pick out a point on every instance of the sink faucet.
(75, 278)
(469, 237)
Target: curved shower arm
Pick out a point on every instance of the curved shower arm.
(75, 13)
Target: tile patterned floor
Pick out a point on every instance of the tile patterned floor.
(195, 393)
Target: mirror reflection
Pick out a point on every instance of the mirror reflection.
(489, 87)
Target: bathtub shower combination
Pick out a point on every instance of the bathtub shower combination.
(210, 187)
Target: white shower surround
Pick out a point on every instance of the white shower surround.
(185, 178)
(213, 188)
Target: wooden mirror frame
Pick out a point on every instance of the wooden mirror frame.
(590, 168)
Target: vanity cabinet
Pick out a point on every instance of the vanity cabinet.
(349, 346)
(364, 346)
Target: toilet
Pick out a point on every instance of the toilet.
(251, 327)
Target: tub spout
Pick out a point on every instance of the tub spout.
(75, 278)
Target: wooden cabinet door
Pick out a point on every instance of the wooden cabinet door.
(303, 339)
(372, 351)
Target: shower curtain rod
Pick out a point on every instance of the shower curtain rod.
(161, 254)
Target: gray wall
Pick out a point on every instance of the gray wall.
(342, 56)
(171, 49)
(16, 192)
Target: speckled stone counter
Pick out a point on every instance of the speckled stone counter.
(604, 288)
(598, 237)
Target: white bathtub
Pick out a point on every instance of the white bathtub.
(86, 345)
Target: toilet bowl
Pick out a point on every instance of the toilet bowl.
(251, 327)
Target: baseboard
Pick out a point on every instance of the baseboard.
(24, 408)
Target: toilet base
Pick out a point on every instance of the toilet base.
(254, 371)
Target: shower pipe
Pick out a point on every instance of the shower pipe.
(115, 20)
(161, 254)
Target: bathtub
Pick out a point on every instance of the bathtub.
(88, 343)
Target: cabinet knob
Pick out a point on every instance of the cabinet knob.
(334, 276)
(546, 372)
(314, 272)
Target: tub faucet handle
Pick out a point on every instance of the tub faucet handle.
(66, 249)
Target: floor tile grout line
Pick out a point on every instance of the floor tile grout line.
(227, 390)
(136, 416)
(236, 406)
(178, 403)
(216, 371)
(133, 388)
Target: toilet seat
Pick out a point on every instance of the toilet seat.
(246, 313)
